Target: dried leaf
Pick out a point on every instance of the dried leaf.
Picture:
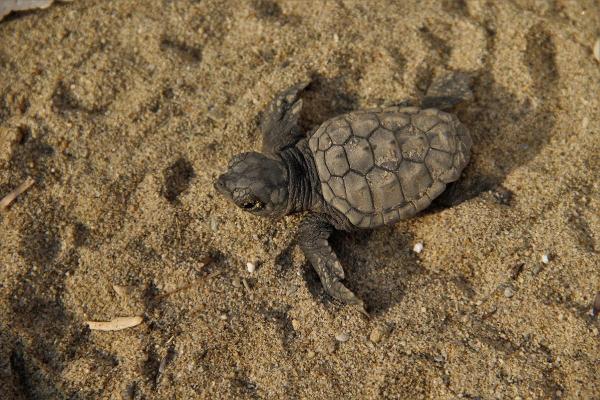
(115, 324)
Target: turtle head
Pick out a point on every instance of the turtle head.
(256, 183)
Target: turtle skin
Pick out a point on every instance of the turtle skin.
(379, 166)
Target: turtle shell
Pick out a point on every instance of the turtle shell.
(379, 166)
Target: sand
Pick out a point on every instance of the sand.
(124, 112)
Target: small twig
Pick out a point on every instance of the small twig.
(246, 285)
(9, 198)
(596, 305)
(175, 291)
(115, 324)
(166, 360)
(205, 261)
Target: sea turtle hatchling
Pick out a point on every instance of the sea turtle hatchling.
(360, 170)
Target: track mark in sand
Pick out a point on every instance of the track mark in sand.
(177, 179)
(267, 9)
(186, 52)
(540, 58)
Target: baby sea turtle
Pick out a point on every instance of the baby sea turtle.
(360, 170)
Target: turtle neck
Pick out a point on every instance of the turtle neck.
(303, 188)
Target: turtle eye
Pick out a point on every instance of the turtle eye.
(252, 205)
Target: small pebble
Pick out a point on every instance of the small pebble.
(236, 282)
(310, 354)
(418, 247)
(545, 258)
(509, 292)
(214, 224)
(251, 267)
(597, 50)
(295, 324)
(342, 337)
(223, 317)
(376, 335)
(585, 122)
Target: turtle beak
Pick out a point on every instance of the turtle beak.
(220, 185)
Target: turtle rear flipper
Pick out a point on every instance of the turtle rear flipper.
(448, 91)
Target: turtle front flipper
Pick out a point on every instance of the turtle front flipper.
(279, 122)
(313, 238)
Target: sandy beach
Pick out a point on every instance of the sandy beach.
(124, 113)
